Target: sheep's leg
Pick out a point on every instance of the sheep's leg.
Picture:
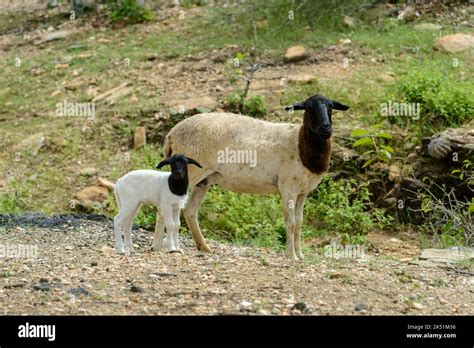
(118, 229)
(177, 224)
(288, 204)
(159, 233)
(127, 227)
(170, 228)
(299, 221)
(190, 214)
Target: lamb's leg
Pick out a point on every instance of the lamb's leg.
(288, 203)
(118, 229)
(299, 221)
(157, 244)
(177, 224)
(190, 214)
(127, 227)
(170, 228)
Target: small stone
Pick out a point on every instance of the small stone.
(417, 305)
(94, 263)
(78, 291)
(362, 307)
(135, 288)
(90, 171)
(61, 66)
(245, 306)
(348, 21)
(296, 54)
(42, 286)
(139, 139)
(301, 306)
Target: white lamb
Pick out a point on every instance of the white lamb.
(165, 190)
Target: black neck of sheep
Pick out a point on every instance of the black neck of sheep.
(177, 184)
(314, 151)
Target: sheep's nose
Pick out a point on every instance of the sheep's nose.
(326, 128)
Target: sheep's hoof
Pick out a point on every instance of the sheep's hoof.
(178, 251)
(291, 257)
(205, 248)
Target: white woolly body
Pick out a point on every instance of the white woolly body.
(275, 144)
(278, 167)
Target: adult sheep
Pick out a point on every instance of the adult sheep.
(291, 159)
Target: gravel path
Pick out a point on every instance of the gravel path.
(76, 271)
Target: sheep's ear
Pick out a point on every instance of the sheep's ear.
(193, 161)
(163, 163)
(338, 106)
(295, 106)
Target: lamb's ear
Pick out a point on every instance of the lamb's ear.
(295, 106)
(163, 163)
(193, 161)
(338, 106)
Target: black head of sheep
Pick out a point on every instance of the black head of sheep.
(179, 164)
(318, 113)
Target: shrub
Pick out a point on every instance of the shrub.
(440, 98)
(128, 10)
(340, 207)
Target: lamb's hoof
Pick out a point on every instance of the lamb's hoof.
(120, 251)
(177, 251)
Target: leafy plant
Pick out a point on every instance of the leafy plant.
(375, 143)
(129, 10)
(341, 207)
(238, 101)
(446, 99)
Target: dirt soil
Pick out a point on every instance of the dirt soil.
(76, 271)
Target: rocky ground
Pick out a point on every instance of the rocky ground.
(76, 271)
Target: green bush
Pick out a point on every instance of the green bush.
(440, 97)
(340, 207)
(255, 106)
(128, 10)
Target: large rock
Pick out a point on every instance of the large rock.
(454, 43)
(55, 35)
(296, 54)
(93, 194)
(31, 144)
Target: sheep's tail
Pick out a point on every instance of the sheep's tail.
(167, 151)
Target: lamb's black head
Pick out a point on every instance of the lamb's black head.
(319, 110)
(179, 164)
